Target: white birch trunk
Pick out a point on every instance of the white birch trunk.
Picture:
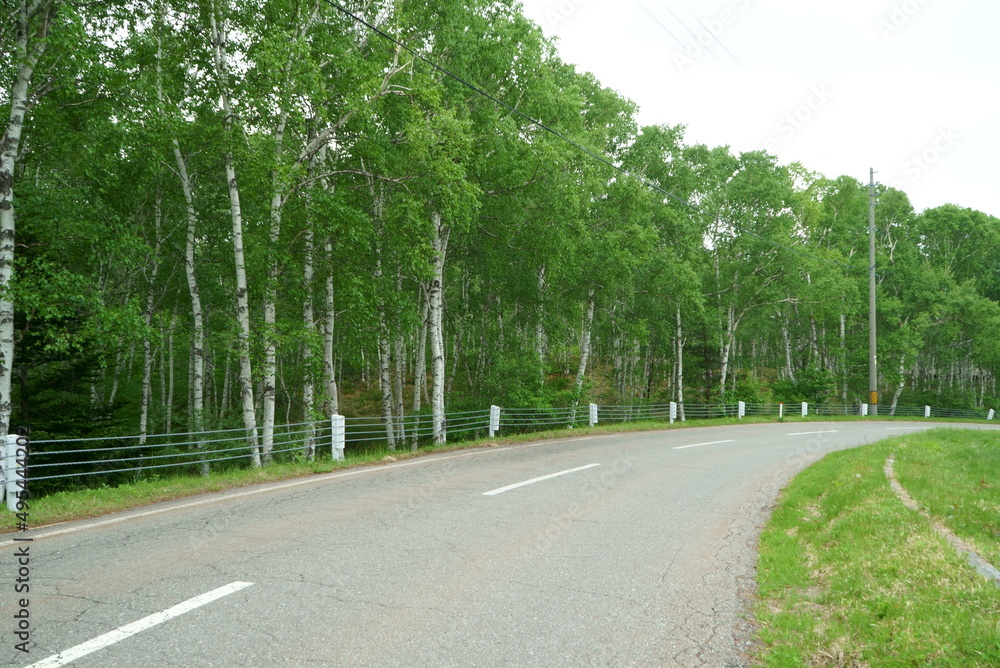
(843, 358)
(168, 412)
(242, 298)
(309, 325)
(435, 304)
(680, 365)
(399, 353)
(270, 381)
(197, 315)
(900, 386)
(585, 338)
(25, 56)
(116, 374)
(541, 340)
(329, 317)
(420, 365)
(727, 346)
(786, 337)
(227, 386)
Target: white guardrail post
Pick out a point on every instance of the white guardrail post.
(992, 414)
(593, 415)
(805, 409)
(781, 410)
(338, 436)
(494, 421)
(4, 466)
(673, 412)
(742, 412)
(927, 411)
(864, 410)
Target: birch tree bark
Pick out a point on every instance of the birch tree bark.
(541, 340)
(680, 365)
(309, 326)
(588, 323)
(435, 317)
(900, 386)
(420, 365)
(218, 33)
(332, 406)
(33, 21)
(147, 345)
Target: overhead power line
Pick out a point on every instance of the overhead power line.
(603, 159)
(707, 29)
(684, 47)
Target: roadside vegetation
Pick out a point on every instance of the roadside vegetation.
(850, 577)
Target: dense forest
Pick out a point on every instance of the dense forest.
(240, 214)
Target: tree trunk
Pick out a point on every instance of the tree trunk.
(242, 298)
(399, 353)
(680, 365)
(271, 296)
(588, 323)
(420, 366)
(729, 338)
(332, 404)
(843, 358)
(227, 383)
(168, 410)
(541, 340)
(197, 380)
(900, 386)
(385, 379)
(25, 56)
(435, 306)
(786, 337)
(309, 326)
(146, 392)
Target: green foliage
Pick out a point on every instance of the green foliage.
(357, 144)
(812, 385)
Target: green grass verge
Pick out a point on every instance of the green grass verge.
(955, 477)
(850, 577)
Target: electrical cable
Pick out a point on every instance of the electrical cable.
(684, 25)
(709, 30)
(684, 47)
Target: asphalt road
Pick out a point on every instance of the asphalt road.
(641, 552)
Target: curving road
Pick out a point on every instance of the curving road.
(625, 550)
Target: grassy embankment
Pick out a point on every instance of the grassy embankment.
(850, 577)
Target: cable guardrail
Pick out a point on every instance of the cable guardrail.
(194, 452)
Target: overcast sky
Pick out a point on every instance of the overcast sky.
(909, 87)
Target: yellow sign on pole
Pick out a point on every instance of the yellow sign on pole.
(874, 399)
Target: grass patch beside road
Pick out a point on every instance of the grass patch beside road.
(850, 577)
(955, 477)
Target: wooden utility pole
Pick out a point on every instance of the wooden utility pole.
(872, 356)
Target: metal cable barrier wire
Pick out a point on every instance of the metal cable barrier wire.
(112, 460)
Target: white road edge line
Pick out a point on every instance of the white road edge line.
(698, 445)
(809, 433)
(100, 642)
(501, 490)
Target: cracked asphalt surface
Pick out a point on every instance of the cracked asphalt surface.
(646, 560)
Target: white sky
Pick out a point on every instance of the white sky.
(909, 87)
